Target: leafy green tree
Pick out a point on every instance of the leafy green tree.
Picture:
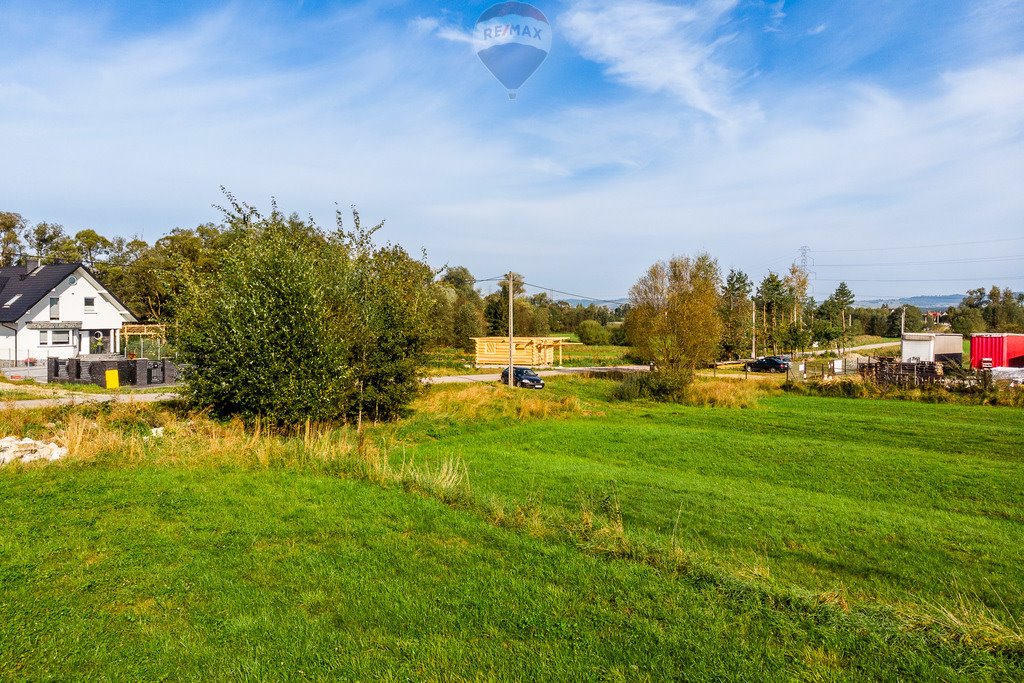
(592, 333)
(92, 245)
(736, 310)
(462, 281)
(468, 322)
(1004, 311)
(674, 317)
(12, 226)
(300, 324)
(796, 337)
(42, 238)
(833, 312)
(458, 315)
(872, 320)
(496, 308)
(772, 299)
(992, 310)
(797, 282)
(966, 320)
(910, 317)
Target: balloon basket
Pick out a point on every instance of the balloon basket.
(512, 96)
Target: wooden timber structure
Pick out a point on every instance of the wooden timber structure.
(891, 371)
(528, 351)
(158, 333)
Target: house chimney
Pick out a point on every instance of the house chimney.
(31, 263)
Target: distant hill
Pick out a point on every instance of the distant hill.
(927, 302)
(612, 303)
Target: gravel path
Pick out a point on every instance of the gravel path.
(79, 399)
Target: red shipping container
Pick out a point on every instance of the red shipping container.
(1005, 350)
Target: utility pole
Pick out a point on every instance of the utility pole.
(511, 347)
(903, 320)
(753, 329)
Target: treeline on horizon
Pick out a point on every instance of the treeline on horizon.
(779, 314)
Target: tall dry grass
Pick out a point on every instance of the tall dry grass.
(127, 434)
(967, 621)
(491, 401)
(725, 393)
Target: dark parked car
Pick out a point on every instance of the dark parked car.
(768, 364)
(523, 377)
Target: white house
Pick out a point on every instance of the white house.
(57, 310)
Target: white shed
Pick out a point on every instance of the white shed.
(932, 347)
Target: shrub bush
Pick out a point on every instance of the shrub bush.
(592, 333)
(305, 325)
(658, 386)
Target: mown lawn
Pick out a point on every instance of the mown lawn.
(900, 502)
(802, 539)
(163, 573)
(587, 356)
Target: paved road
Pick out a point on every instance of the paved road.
(129, 397)
(496, 376)
(865, 347)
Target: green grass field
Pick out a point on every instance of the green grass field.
(805, 538)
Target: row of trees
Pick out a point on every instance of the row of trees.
(465, 313)
(779, 315)
(682, 315)
(151, 279)
(995, 310)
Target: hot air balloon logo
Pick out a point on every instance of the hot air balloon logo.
(512, 39)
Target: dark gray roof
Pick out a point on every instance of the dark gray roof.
(16, 280)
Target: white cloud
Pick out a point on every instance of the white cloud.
(660, 48)
(136, 135)
(425, 24)
(775, 16)
(820, 28)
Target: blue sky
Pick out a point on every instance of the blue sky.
(887, 136)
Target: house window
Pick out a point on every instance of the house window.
(12, 300)
(61, 337)
(44, 337)
(54, 308)
(90, 304)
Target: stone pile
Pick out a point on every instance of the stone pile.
(26, 450)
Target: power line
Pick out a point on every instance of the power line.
(982, 278)
(578, 296)
(980, 259)
(785, 257)
(917, 246)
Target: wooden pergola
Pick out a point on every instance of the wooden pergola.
(528, 351)
(156, 332)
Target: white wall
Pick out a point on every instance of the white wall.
(923, 350)
(105, 316)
